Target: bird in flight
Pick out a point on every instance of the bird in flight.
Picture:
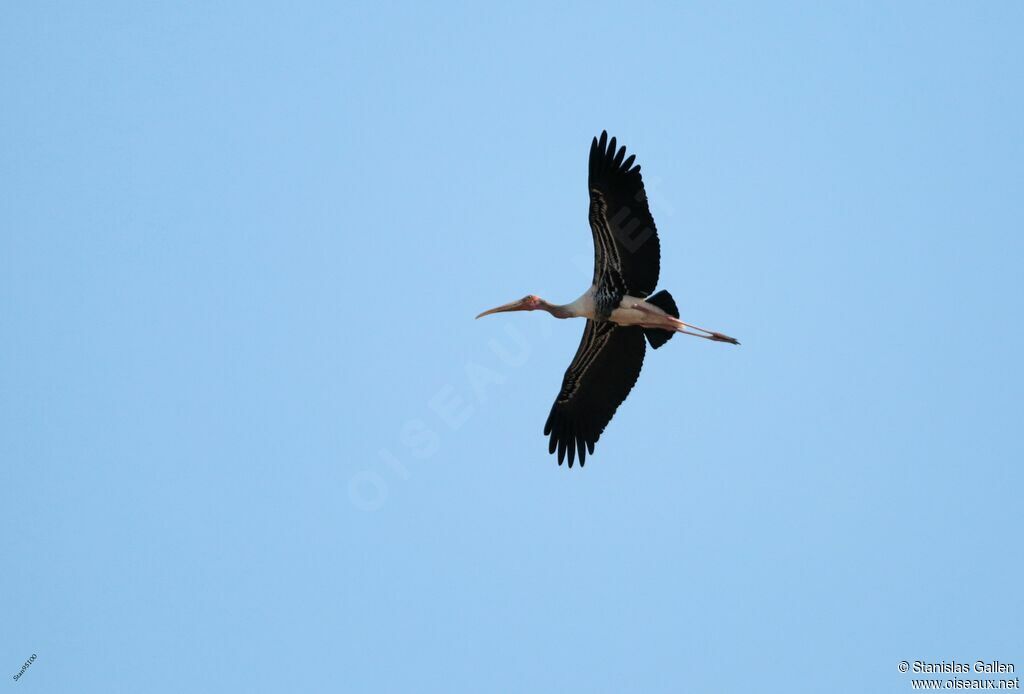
(620, 306)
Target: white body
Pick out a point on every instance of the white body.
(632, 310)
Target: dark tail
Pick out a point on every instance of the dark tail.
(662, 300)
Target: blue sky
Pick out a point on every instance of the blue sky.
(253, 439)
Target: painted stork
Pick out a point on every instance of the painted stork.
(620, 306)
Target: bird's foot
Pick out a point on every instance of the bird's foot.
(681, 327)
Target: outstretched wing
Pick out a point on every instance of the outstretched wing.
(627, 252)
(600, 377)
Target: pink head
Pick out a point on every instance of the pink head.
(530, 302)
